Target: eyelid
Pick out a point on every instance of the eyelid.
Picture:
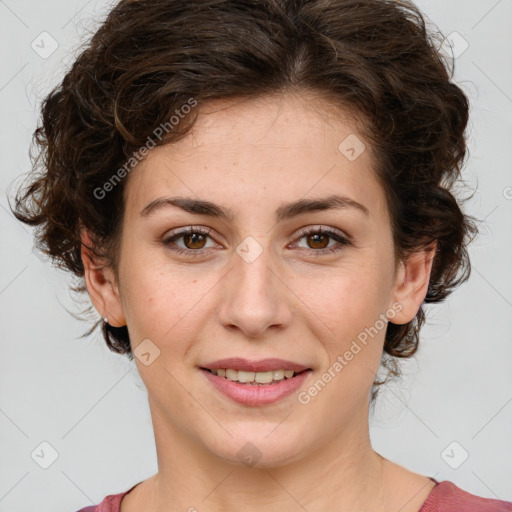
(319, 228)
(185, 230)
(342, 239)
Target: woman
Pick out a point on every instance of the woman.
(258, 198)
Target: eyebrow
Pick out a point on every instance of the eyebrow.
(284, 212)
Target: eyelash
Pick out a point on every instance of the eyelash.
(342, 240)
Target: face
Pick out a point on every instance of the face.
(251, 282)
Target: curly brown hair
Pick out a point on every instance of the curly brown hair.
(373, 57)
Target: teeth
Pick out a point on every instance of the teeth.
(268, 377)
(254, 377)
(231, 374)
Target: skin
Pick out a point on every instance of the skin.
(252, 156)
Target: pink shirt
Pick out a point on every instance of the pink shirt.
(444, 497)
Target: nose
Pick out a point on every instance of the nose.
(255, 296)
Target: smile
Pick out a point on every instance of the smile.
(254, 377)
(256, 388)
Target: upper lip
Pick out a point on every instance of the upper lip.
(262, 365)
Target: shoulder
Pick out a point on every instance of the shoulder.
(111, 503)
(446, 496)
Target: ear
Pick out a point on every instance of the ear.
(101, 284)
(411, 284)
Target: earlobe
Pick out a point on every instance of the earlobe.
(101, 284)
(412, 283)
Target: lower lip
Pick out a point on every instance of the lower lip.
(257, 394)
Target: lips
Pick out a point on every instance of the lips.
(257, 395)
(262, 365)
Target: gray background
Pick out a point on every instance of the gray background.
(90, 404)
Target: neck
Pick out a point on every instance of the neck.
(344, 474)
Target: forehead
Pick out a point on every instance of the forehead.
(294, 120)
(262, 151)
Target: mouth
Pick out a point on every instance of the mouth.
(256, 389)
(249, 378)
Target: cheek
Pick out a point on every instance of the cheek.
(165, 305)
(348, 298)
(349, 308)
(355, 314)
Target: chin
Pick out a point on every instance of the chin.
(258, 452)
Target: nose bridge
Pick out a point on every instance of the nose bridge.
(254, 298)
(253, 269)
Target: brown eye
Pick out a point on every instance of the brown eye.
(318, 240)
(194, 240)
